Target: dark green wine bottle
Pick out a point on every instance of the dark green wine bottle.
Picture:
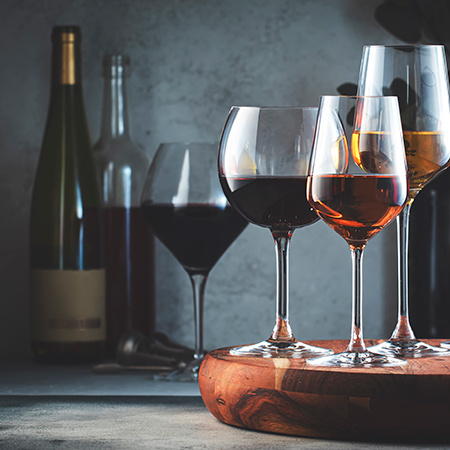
(67, 276)
(429, 260)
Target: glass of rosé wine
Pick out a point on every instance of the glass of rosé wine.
(357, 184)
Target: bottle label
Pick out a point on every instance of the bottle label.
(67, 305)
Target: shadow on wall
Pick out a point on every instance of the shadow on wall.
(418, 22)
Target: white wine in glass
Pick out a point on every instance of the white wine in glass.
(418, 76)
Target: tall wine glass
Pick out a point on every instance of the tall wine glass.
(357, 185)
(263, 164)
(185, 206)
(418, 76)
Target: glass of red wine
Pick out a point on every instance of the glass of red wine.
(263, 164)
(187, 211)
(357, 185)
(418, 76)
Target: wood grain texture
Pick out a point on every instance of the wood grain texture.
(288, 396)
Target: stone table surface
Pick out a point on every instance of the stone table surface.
(70, 407)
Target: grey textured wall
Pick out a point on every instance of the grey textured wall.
(192, 60)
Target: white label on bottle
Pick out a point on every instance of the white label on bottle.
(68, 305)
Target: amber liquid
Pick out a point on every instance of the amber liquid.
(357, 206)
(427, 152)
(368, 151)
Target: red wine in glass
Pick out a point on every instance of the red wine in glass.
(196, 234)
(278, 203)
(263, 166)
(186, 209)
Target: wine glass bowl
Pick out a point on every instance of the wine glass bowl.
(187, 211)
(263, 165)
(357, 184)
(418, 76)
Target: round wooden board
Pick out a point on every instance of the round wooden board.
(285, 395)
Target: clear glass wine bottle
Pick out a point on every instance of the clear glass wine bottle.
(122, 166)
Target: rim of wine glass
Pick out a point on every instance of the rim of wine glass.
(275, 107)
(359, 96)
(188, 142)
(403, 46)
(185, 144)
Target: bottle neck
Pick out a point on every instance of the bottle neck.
(66, 59)
(66, 96)
(115, 116)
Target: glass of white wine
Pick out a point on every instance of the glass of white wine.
(418, 76)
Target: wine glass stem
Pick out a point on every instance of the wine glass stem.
(356, 341)
(403, 329)
(198, 282)
(282, 330)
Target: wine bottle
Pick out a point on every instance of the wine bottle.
(129, 245)
(67, 281)
(429, 260)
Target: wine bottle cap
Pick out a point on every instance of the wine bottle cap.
(66, 55)
(66, 33)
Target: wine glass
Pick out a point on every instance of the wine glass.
(185, 207)
(357, 185)
(263, 164)
(418, 76)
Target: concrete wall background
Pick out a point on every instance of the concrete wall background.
(191, 61)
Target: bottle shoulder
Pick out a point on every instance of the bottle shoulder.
(119, 153)
(440, 185)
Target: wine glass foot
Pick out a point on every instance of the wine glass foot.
(188, 373)
(356, 359)
(409, 348)
(292, 349)
(445, 345)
